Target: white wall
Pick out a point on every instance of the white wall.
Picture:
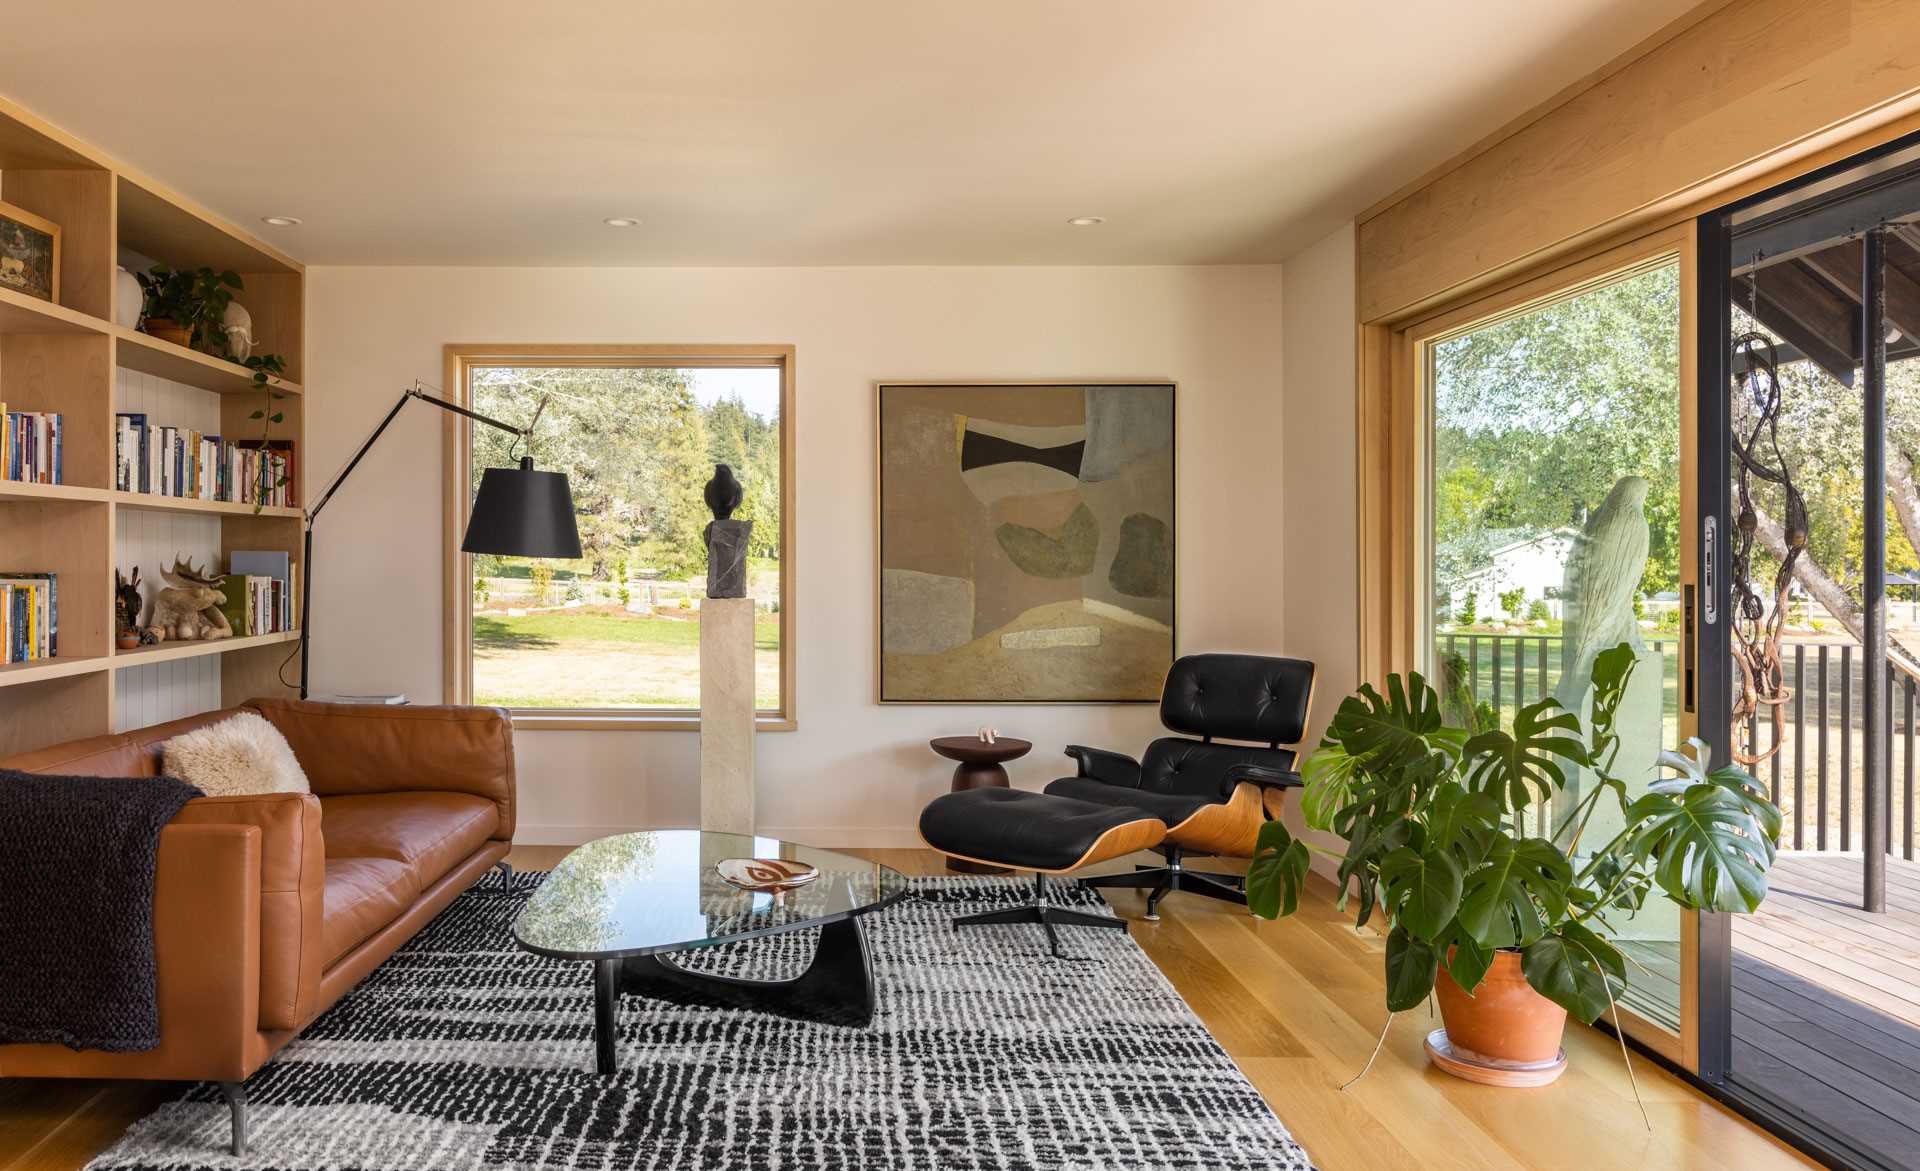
(854, 772)
(1322, 615)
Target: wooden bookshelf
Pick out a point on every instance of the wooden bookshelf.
(155, 503)
(167, 651)
(63, 357)
(175, 363)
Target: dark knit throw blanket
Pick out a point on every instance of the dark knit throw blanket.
(77, 861)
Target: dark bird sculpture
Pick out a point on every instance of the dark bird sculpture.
(723, 492)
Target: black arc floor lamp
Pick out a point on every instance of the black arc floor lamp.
(518, 512)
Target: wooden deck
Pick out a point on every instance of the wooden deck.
(1827, 999)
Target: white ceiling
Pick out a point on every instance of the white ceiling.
(800, 132)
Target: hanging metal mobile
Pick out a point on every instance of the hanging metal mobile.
(1756, 628)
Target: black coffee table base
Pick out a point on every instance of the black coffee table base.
(836, 988)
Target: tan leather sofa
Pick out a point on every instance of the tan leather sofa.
(268, 909)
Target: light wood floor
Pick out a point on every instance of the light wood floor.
(1296, 1003)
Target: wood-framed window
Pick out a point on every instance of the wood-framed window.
(611, 641)
(1422, 586)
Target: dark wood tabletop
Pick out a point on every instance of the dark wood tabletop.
(973, 750)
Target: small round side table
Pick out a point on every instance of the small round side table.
(979, 768)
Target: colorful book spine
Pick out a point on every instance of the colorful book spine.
(32, 446)
(30, 615)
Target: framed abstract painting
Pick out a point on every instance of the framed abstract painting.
(1026, 542)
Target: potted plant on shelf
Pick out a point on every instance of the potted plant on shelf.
(188, 307)
(1510, 931)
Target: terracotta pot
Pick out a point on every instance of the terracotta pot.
(168, 330)
(1504, 1019)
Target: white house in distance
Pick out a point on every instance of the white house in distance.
(1536, 564)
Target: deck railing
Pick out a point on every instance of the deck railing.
(1816, 778)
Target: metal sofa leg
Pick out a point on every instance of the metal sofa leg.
(505, 868)
(236, 1095)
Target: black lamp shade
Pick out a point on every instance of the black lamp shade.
(519, 512)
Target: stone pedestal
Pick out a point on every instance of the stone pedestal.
(726, 715)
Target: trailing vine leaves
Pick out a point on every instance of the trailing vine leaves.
(266, 367)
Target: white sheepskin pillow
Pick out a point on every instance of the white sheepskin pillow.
(236, 757)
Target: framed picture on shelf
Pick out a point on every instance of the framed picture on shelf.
(1026, 541)
(29, 253)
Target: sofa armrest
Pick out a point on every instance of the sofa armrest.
(1114, 768)
(290, 889)
(206, 943)
(348, 748)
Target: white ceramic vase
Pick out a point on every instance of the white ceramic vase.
(238, 326)
(127, 298)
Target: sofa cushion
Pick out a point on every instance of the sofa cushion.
(430, 833)
(362, 896)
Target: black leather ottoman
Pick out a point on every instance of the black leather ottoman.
(1033, 831)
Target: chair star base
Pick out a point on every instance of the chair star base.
(1045, 914)
(1163, 880)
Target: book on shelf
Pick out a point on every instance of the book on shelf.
(192, 465)
(29, 617)
(34, 444)
(270, 589)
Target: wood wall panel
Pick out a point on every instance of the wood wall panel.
(1724, 100)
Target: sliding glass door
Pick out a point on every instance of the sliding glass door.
(1558, 486)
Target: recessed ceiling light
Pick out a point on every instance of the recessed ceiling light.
(1087, 221)
(620, 221)
(280, 221)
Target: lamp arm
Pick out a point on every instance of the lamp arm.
(410, 393)
(306, 555)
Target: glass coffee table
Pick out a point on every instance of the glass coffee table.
(626, 902)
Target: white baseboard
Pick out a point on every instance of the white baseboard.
(827, 837)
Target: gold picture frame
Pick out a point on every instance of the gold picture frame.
(29, 253)
(1099, 677)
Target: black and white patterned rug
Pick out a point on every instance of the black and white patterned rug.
(463, 1051)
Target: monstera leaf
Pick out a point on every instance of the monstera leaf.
(1526, 763)
(1329, 775)
(1396, 729)
(1467, 961)
(1516, 893)
(1411, 966)
(1732, 778)
(1277, 872)
(1708, 850)
(1421, 889)
(1462, 822)
(1573, 967)
(1612, 669)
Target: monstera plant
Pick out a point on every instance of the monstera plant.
(1434, 819)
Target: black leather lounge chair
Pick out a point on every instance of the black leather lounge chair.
(1213, 796)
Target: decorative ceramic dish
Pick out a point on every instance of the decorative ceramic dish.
(767, 874)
